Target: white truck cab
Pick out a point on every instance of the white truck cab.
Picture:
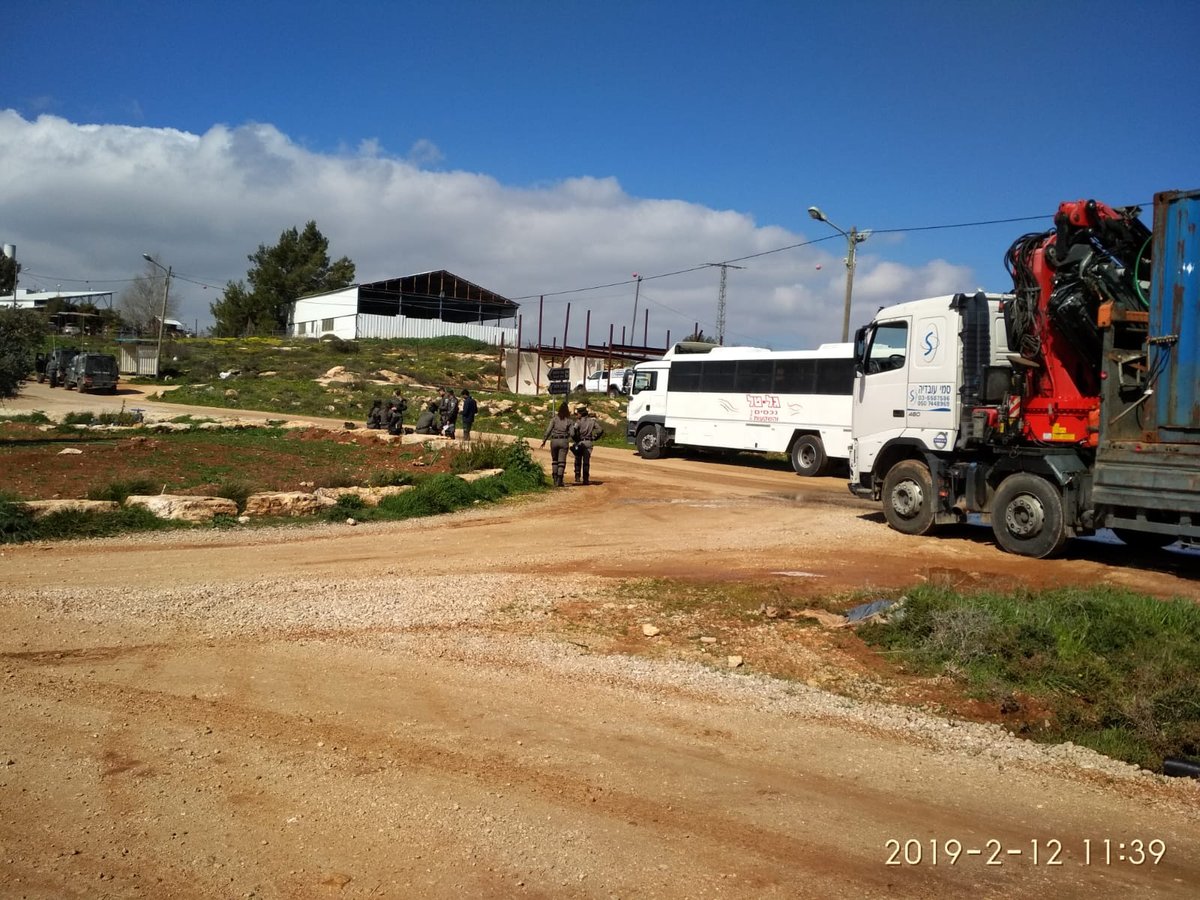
(908, 381)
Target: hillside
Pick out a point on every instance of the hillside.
(339, 379)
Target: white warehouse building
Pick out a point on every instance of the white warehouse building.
(429, 304)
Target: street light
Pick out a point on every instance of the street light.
(162, 319)
(853, 238)
(637, 290)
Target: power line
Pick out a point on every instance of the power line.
(808, 243)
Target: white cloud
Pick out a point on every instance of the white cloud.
(424, 153)
(85, 201)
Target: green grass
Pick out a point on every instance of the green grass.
(119, 491)
(1115, 671)
(105, 418)
(37, 417)
(17, 524)
(444, 493)
(431, 494)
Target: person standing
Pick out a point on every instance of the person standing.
(469, 409)
(443, 407)
(450, 416)
(586, 432)
(558, 433)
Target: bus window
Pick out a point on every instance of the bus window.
(754, 376)
(685, 376)
(718, 376)
(795, 376)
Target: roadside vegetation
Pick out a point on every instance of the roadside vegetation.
(1107, 669)
(235, 463)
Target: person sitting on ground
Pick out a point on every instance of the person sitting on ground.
(427, 422)
(397, 406)
(375, 415)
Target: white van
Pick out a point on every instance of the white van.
(611, 382)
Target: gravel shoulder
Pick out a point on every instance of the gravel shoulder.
(404, 709)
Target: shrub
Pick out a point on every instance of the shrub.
(69, 524)
(237, 491)
(520, 468)
(37, 417)
(483, 453)
(119, 491)
(16, 521)
(1118, 672)
(389, 478)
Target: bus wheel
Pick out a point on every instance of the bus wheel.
(1027, 516)
(808, 456)
(908, 497)
(648, 444)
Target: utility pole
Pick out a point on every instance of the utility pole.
(721, 299)
(853, 239)
(162, 318)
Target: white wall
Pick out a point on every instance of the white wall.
(370, 326)
(521, 371)
(311, 315)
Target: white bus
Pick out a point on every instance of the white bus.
(745, 398)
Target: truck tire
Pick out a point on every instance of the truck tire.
(1027, 516)
(648, 444)
(808, 456)
(908, 497)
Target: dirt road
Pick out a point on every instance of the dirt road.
(403, 710)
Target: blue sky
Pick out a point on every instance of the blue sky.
(540, 147)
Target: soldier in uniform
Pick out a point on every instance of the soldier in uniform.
(586, 432)
(558, 433)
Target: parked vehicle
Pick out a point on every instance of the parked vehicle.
(612, 382)
(92, 372)
(1064, 407)
(745, 398)
(57, 362)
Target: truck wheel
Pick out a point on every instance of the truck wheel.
(648, 444)
(908, 497)
(808, 456)
(1027, 516)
